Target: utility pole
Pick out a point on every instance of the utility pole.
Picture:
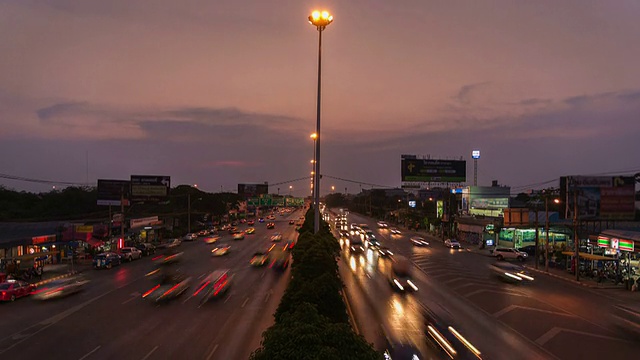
(546, 225)
(576, 241)
(537, 255)
(122, 212)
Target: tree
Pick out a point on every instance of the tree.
(307, 335)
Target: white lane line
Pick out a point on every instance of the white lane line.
(134, 296)
(227, 299)
(245, 302)
(201, 276)
(187, 299)
(90, 352)
(149, 353)
(266, 298)
(212, 351)
(263, 274)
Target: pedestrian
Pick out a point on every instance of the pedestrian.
(635, 285)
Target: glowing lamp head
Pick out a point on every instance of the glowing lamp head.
(320, 19)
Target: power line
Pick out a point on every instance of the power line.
(40, 181)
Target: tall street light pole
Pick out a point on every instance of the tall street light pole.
(320, 20)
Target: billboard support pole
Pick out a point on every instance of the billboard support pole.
(546, 225)
(189, 213)
(537, 253)
(122, 212)
(110, 224)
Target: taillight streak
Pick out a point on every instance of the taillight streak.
(170, 290)
(201, 288)
(150, 291)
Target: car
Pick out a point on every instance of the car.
(384, 251)
(106, 260)
(203, 232)
(509, 254)
(292, 222)
(419, 241)
(221, 251)
(174, 243)
(276, 237)
(171, 286)
(271, 225)
(261, 220)
(531, 250)
(130, 253)
(510, 272)
(234, 223)
(400, 351)
(288, 246)
(60, 288)
(211, 239)
(441, 333)
(259, 258)
(356, 245)
(372, 242)
(238, 236)
(382, 225)
(250, 231)
(279, 259)
(233, 230)
(146, 248)
(251, 222)
(214, 285)
(169, 258)
(271, 217)
(400, 275)
(11, 290)
(452, 243)
(190, 237)
(395, 231)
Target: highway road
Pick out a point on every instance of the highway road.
(546, 319)
(110, 319)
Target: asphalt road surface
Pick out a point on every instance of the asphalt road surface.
(111, 320)
(545, 319)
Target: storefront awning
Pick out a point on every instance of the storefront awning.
(589, 256)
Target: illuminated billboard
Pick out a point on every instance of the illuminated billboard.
(598, 197)
(433, 170)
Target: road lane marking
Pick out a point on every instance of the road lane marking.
(514, 307)
(495, 291)
(212, 351)
(245, 302)
(90, 352)
(266, 298)
(227, 299)
(149, 353)
(134, 296)
(263, 274)
(187, 299)
(201, 276)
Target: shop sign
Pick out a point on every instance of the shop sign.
(603, 241)
(43, 239)
(626, 245)
(144, 221)
(84, 228)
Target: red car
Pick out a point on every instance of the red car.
(13, 289)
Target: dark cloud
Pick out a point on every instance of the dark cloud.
(464, 94)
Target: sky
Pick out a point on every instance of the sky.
(221, 92)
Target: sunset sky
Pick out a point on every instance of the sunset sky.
(221, 92)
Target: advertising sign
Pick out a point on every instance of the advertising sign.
(430, 170)
(252, 190)
(475, 154)
(599, 197)
(150, 188)
(84, 228)
(148, 221)
(111, 191)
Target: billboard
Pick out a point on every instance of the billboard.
(150, 188)
(111, 191)
(252, 190)
(430, 170)
(598, 197)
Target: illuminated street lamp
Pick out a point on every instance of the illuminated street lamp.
(290, 188)
(319, 19)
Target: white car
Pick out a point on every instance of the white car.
(130, 253)
(509, 254)
(395, 231)
(452, 243)
(419, 241)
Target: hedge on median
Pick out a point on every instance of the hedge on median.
(311, 321)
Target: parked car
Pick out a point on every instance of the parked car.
(530, 250)
(509, 254)
(146, 248)
(11, 290)
(106, 260)
(130, 253)
(452, 243)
